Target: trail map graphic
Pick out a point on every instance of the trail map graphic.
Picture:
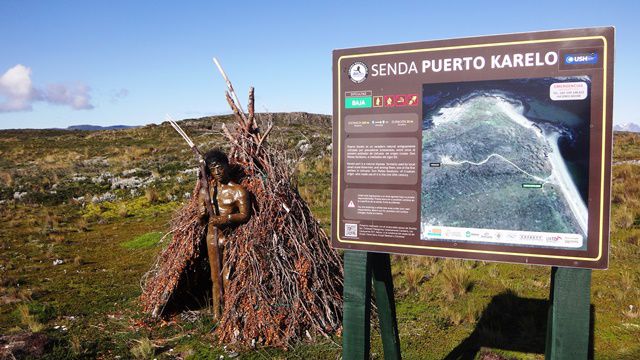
(501, 162)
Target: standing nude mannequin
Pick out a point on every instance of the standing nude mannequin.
(231, 201)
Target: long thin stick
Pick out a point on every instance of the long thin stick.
(229, 85)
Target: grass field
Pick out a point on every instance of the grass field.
(84, 214)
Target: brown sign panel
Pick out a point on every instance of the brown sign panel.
(492, 148)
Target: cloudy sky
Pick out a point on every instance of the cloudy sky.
(132, 62)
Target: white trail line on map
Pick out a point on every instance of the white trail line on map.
(559, 172)
(445, 160)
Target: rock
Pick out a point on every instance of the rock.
(305, 148)
(126, 183)
(19, 195)
(102, 178)
(24, 345)
(102, 198)
(190, 171)
(131, 171)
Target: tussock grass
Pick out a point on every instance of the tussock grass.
(123, 211)
(6, 178)
(414, 276)
(143, 349)
(456, 279)
(152, 195)
(627, 280)
(29, 320)
(75, 345)
(78, 260)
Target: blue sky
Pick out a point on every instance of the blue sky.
(131, 62)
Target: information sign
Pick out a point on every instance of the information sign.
(492, 148)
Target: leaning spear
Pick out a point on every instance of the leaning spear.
(212, 211)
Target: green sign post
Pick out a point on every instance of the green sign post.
(360, 270)
(569, 314)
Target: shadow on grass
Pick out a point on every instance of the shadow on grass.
(511, 323)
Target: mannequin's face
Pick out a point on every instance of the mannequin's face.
(218, 171)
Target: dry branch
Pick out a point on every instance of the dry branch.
(285, 280)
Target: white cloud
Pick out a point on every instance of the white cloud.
(77, 96)
(16, 88)
(17, 92)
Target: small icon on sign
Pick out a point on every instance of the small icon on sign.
(377, 101)
(412, 99)
(401, 100)
(351, 204)
(389, 101)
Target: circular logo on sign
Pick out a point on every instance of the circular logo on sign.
(358, 72)
(569, 59)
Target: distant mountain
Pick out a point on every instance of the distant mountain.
(630, 127)
(97, 127)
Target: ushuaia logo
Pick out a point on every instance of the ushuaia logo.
(579, 59)
(358, 72)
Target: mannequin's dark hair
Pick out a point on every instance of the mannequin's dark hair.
(216, 156)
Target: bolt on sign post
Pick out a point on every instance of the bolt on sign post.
(490, 148)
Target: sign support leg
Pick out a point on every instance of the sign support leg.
(356, 341)
(569, 313)
(383, 287)
(360, 268)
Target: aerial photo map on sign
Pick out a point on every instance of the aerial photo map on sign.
(493, 148)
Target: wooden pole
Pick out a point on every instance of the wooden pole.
(569, 313)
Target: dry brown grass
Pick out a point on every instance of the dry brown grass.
(57, 238)
(152, 195)
(123, 211)
(414, 276)
(472, 312)
(456, 279)
(627, 280)
(6, 178)
(75, 345)
(143, 349)
(454, 317)
(78, 260)
(623, 217)
(27, 319)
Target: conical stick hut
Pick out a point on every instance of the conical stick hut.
(285, 281)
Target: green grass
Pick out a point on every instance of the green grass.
(439, 303)
(147, 240)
